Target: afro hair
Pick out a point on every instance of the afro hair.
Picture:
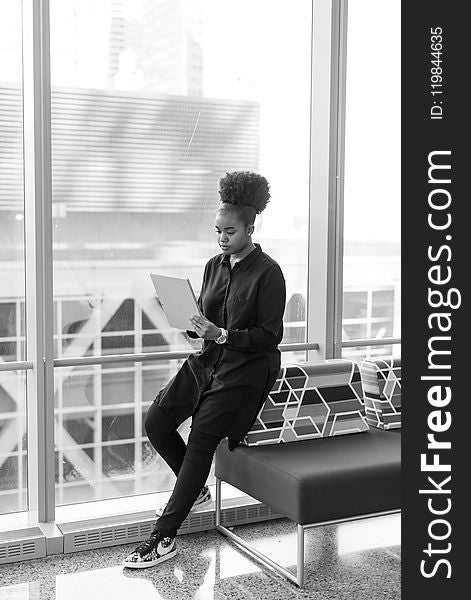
(244, 188)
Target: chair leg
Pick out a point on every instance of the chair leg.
(218, 501)
(300, 555)
(254, 553)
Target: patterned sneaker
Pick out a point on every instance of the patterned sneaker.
(151, 552)
(204, 498)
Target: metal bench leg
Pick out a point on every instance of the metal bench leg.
(297, 580)
(300, 556)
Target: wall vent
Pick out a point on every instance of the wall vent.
(99, 536)
(22, 549)
(106, 535)
(248, 514)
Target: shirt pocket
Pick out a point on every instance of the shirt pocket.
(241, 300)
(241, 312)
(238, 305)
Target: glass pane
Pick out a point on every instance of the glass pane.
(371, 277)
(13, 443)
(13, 449)
(152, 102)
(102, 450)
(12, 284)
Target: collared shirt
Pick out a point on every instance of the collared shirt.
(248, 300)
(224, 385)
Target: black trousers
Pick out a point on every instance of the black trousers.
(191, 464)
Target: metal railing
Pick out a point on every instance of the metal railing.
(155, 356)
(371, 342)
(16, 365)
(21, 365)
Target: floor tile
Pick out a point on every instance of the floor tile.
(359, 560)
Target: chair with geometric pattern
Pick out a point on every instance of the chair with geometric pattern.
(381, 377)
(311, 400)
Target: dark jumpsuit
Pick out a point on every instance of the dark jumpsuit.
(223, 386)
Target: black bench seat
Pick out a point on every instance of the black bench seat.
(318, 480)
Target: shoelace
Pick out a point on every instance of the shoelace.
(148, 544)
(204, 492)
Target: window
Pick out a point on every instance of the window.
(13, 456)
(371, 274)
(151, 104)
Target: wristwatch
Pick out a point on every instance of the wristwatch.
(222, 339)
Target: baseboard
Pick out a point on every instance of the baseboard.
(125, 529)
(99, 533)
(24, 544)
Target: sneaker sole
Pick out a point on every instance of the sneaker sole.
(150, 563)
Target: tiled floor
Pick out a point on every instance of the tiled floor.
(358, 560)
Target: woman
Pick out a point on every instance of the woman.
(224, 385)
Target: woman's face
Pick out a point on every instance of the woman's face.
(233, 235)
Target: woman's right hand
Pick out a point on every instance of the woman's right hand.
(204, 328)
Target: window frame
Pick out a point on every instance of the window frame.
(325, 231)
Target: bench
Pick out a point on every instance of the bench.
(312, 456)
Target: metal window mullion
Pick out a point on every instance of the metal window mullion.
(19, 355)
(320, 219)
(336, 248)
(98, 405)
(38, 255)
(20, 382)
(138, 314)
(59, 437)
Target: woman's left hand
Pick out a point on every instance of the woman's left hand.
(204, 328)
